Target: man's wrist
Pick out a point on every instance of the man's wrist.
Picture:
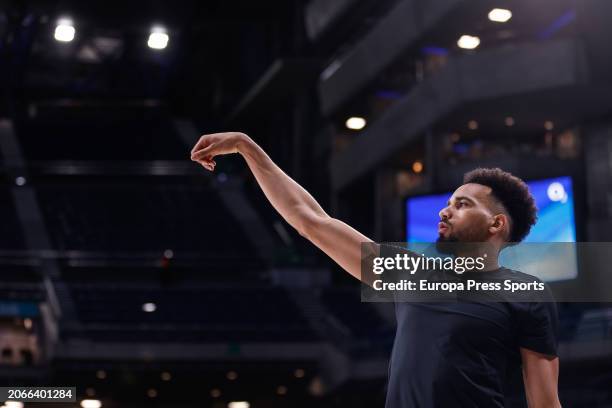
(243, 142)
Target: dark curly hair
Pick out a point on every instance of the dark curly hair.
(513, 194)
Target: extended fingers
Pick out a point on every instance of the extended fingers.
(202, 154)
(206, 160)
(208, 164)
(202, 143)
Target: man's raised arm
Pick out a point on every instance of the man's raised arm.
(338, 240)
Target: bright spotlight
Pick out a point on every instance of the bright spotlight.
(149, 307)
(91, 403)
(355, 123)
(417, 166)
(468, 42)
(13, 404)
(158, 39)
(20, 180)
(238, 404)
(64, 31)
(500, 15)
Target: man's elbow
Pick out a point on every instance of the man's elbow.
(311, 224)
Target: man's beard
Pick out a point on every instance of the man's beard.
(447, 245)
(452, 245)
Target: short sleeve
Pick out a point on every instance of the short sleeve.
(538, 327)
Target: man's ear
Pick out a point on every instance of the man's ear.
(499, 224)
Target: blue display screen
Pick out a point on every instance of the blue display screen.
(555, 201)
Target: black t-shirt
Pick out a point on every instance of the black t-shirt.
(460, 354)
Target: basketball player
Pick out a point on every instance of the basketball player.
(457, 354)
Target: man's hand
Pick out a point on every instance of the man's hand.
(216, 144)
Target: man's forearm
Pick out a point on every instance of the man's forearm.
(290, 199)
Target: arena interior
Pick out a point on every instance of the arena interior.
(143, 280)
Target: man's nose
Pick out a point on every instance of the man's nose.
(445, 214)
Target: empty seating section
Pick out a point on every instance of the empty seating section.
(21, 283)
(360, 318)
(299, 251)
(11, 236)
(174, 272)
(146, 138)
(241, 314)
(30, 292)
(134, 217)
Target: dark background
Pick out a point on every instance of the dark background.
(103, 212)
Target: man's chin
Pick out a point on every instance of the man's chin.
(446, 245)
